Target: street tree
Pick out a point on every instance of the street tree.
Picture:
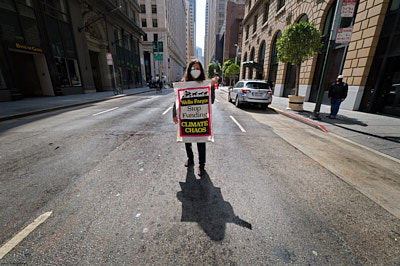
(299, 42)
(232, 71)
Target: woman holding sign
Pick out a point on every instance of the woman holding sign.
(195, 72)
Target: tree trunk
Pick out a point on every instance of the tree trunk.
(297, 79)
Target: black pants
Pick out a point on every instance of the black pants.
(201, 148)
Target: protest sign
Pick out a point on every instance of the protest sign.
(193, 104)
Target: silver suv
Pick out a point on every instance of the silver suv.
(251, 91)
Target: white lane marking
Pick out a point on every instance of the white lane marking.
(217, 100)
(166, 111)
(13, 242)
(109, 110)
(237, 123)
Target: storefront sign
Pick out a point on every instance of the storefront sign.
(348, 8)
(109, 59)
(344, 35)
(193, 102)
(28, 48)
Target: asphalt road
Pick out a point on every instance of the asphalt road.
(119, 194)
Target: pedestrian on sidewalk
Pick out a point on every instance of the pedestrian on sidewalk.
(337, 94)
(195, 72)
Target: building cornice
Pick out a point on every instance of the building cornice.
(252, 11)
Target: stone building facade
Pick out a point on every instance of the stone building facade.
(164, 22)
(369, 60)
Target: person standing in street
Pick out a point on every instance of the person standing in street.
(195, 72)
(337, 94)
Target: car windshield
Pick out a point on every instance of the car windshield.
(257, 85)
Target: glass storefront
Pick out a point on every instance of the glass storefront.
(62, 45)
(382, 92)
(128, 68)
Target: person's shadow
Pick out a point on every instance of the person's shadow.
(203, 203)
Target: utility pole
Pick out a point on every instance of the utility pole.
(328, 55)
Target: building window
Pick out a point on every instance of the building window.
(266, 12)
(221, 6)
(154, 9)
(249, 5)
(144, 23)
(142, 9)
(247, 31)
(221, 14)
(155, 23)
(281, 3)
(155, 37)
(145, 37)
(255, 24)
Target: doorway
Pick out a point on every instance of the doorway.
(94, 61)
(26, 74)
(389, 100)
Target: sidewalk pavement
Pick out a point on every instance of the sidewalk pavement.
(377, 132)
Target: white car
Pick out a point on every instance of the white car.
(251, 91)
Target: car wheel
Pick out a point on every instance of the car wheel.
(237, 104)
(229, 97)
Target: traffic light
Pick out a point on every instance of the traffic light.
(160, 47)
(155, 46)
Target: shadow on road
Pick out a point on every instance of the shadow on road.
(203, 203)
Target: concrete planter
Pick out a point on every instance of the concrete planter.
(296, 103)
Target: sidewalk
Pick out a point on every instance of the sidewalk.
(378, 132)
(37, 105)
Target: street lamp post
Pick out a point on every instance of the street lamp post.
(331, 46)
(237, 51)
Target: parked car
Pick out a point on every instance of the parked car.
(251, 91)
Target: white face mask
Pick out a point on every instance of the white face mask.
(195, 73)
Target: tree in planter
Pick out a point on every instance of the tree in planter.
(299, 42)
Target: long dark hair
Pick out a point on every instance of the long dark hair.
(188, 76)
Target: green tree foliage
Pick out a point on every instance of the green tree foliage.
(300, 42)
(232, 70)
(227, 63)
(210, 70)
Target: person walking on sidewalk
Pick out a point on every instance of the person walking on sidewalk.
(195, 72)
(337, 94)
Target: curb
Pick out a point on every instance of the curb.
(10, 117)
(301, 119)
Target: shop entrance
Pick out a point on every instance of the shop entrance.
(389, 102)
(26, 74)
(94, 61)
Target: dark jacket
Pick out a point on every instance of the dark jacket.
(338, 90)
(212, 101)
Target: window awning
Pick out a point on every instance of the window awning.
(251, 64)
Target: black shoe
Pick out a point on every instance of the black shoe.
(189, 163)
(201, 171)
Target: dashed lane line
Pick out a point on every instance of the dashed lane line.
(166, 111)
(13, 242)
(237, 123)
(109, 110)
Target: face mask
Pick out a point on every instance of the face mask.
(195, 73)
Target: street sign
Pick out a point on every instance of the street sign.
(344, 35)
(348, 8)
(109, 59)
(158, 57)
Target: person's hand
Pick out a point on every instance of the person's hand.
(214, 81)
(342, 99)
(175, 119)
